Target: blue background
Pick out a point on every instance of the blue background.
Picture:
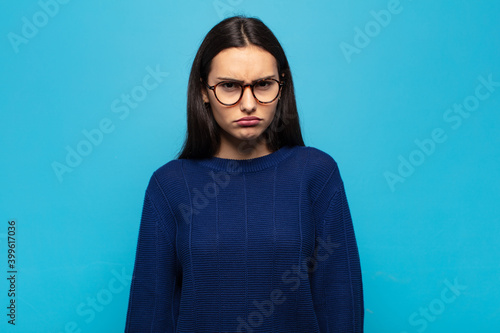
(433, 227)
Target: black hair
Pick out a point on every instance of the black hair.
(202, 135)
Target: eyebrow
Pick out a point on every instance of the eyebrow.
(239, 81)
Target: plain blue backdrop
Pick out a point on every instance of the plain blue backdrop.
(404, 95)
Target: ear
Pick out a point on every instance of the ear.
(204, 92)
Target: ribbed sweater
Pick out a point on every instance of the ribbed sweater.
(259, 245)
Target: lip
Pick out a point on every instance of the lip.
(248, 121)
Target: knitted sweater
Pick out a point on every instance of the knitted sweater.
(258, 245)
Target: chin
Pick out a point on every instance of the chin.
(248, 135)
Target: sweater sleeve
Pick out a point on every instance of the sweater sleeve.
(155, 286)
(336, 278)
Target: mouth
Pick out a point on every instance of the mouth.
(248, 121)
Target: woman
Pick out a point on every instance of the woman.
(248, 230)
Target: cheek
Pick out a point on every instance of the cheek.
(219, 115)
(271, 114)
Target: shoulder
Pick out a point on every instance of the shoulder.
(166, 176)
(169, 169)
(319, 158)
(318, 163)
(321, 173)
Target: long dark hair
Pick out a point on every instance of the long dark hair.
(202, 136)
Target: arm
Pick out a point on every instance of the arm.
(336, 279)
(155, 287)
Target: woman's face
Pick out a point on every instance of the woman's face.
(246, 64)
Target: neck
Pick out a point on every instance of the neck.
(232, 148)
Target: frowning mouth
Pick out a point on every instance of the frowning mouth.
(248, 121)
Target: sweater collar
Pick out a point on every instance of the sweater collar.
(248, 165)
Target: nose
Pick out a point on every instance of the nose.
(248, 102)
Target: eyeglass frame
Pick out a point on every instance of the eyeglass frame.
(243, 87)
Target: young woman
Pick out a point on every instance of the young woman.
(249, 230)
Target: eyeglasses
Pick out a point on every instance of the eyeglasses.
(229, 93)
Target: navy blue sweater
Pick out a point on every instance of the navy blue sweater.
(259, 245)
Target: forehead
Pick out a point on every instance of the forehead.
(246, 62)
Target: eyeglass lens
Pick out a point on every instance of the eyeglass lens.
(230, 92)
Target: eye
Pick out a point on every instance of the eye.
(229, 86)
(264, 84)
